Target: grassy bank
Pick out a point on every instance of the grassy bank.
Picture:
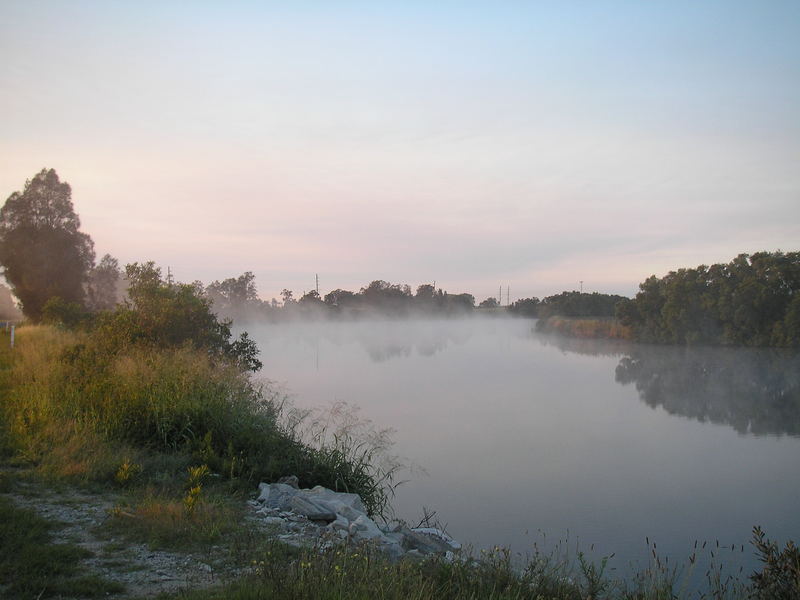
(585, 327)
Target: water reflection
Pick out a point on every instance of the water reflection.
(754, 391)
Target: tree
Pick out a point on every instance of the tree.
(42, 250)
(234, 296)
(103, 283)
(489, 303)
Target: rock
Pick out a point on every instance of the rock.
(425, 543)
(315, 511)
(337, 498)
(275, 495)
(364, 528)
(340, 524)
(439, 535)
(304, 511)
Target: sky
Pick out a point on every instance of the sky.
(534, 145)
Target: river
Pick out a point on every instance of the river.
(519, 438)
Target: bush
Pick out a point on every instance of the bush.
(161, 314)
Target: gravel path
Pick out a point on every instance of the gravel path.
(143, 572)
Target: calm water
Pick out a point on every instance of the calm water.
(520, 433)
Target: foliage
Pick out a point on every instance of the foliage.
(41, 248)
(525, 307)
(779, 578)
(751, 301)
(169, 315)
(489, 303)
(579, 304)
(81, 412)
(236, 297)
(103, 284)
(57, 311)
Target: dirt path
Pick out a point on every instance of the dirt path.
(143, 572)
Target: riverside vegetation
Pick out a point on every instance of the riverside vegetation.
(155, 400)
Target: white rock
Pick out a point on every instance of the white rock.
(364, 528)
(438, 533)
(339, 498)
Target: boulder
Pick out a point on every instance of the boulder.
(314, 511)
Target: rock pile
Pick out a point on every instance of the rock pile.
(305, 516)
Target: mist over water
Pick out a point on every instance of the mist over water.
(519, 433)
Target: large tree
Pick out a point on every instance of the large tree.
(42, 250)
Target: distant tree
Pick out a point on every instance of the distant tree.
(527, 307)
(489, 303)
(42, 250)
(459, 302)
(579, 304)
(234, 296)
(425, 292)
(311, 298)
(341, 297)
(103, 284)
(287, 297)
(387, 297)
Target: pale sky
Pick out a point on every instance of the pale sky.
(530, 144)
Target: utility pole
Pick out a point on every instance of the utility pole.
(581, 286)
(508, 295)
(500, 297)
(317, 276)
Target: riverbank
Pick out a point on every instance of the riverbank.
(607, 328)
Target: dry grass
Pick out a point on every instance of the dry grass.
(586, 328)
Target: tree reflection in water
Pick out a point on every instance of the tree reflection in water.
(755, 391)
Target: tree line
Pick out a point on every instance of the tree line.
(568, 304)
(754, 300)
(50, 266)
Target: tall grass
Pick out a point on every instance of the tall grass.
(81, 412)
(586, 328)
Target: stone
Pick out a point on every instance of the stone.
(275, 495)
(314, 511)
(364, 528)
(427, 544)
(339, 524)
(439, 535)
(338, 498)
